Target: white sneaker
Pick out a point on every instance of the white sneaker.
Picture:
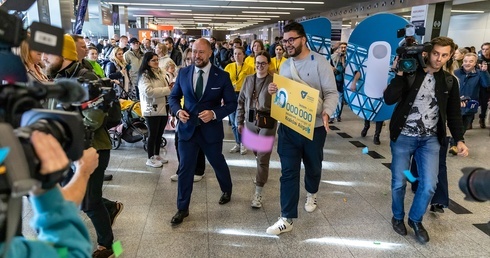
(310, 204)
(243, 150)
(153, 162)
(281, 226)
(235, 148)
(174, 178)
(257, 201)
(198, 178)
(163, 161)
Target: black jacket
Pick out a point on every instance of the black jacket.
(400, 92)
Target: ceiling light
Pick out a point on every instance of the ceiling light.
(207, 6)
(257, 12)
(273, 1)
(466, 11)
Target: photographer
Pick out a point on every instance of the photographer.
(101, 212)
(56, 218)
(417, 129)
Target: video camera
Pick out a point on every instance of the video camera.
(100, 94)
(20, 107)
(409, 52)
(475, 184)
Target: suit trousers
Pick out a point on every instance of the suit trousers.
(188, 151)
(201, 160)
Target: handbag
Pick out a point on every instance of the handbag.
(264, 120)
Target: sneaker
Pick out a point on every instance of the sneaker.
(235, 148)
(174, 178)
(257, 201)
(243, 150)
(114, 213)
(453, 150)
(153, 162)
(310, 204)
(331, 120)
(198, 178)
(163, 161)
(482, 123)
(104, 253)
(281, 226)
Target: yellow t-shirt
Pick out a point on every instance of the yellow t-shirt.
(238, 74)
(276, 64)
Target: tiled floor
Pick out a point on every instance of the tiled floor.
(352, 219)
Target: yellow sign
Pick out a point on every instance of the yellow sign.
(294, 105)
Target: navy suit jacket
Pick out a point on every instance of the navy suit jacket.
(218, 88)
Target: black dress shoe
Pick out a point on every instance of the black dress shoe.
(376, 140)
(225, 198)
(420, 233)
(399, 226)
(179, 217)
(364, 131)
(437, 208)
(107, 177)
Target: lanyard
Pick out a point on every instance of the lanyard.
(278, 64)
(256, 97)
(237, 73)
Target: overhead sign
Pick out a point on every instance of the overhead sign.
(144, 34)
(152, 26)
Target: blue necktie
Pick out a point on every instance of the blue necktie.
(199, 85)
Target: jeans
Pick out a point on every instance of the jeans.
(425, 150)
(441, 196)
(234, 125)
(293, 147)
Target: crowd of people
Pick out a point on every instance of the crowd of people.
(194, 85)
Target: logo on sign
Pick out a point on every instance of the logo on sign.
(303, 94)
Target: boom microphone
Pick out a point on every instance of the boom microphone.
(64, 90)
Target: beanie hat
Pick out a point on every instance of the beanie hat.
(69, 48)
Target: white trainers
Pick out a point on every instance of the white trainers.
(198, 178)
(154, 162)
(235, 148)
(257, 201)
(243, 150)
(310, 204)
(163, 161)
(281, 226)
(174, 178)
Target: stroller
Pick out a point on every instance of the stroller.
(132, 127)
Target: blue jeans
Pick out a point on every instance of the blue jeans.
(293, 147)
(425, 151)
(234, 125)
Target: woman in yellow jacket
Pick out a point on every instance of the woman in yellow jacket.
(257, 47)
(238, 71)
(277, 61)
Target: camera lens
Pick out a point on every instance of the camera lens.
(475, 184)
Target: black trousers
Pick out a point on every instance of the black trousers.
(156, 127)
(96, 207)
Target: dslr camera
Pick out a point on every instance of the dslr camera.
(409, 52)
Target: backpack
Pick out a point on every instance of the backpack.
(113, 118)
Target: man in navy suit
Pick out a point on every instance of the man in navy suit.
(208, 98)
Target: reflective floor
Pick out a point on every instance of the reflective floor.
(352, 218)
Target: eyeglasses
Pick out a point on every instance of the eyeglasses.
(154, 60)
(290, 40)
(261, 63)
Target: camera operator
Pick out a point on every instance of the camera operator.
(101, 211)
(56, 218)
(417, 128)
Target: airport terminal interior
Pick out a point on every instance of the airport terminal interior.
(352, 218)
